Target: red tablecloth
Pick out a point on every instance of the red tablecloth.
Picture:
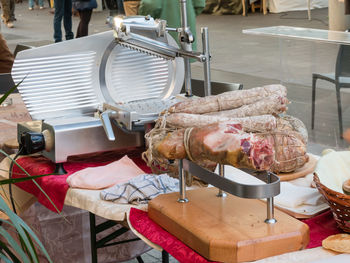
(55, 186)
(320, 226)
(153, 232)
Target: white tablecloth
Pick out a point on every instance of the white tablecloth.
(278, 6)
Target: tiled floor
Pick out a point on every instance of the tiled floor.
(240, 58)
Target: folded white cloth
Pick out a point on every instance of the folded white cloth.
(141, 189)
(293, 196)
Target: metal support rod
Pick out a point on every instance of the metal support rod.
(222, 174)
(207, 76)
(186, 45)
(270, 206)
(182, 184)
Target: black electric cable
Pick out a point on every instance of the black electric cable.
(10, 177)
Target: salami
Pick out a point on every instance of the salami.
(271, 105)
(254, 123)
(228, 100)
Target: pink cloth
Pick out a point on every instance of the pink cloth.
(56, 186)
(105, 176)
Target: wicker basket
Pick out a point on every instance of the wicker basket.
(339, 204)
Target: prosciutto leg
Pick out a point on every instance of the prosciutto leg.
(227, 143)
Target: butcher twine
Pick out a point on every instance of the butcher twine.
(187, 135)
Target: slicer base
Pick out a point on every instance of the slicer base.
(59, 169)
(227, 229)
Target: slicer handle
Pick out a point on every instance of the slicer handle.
(107, 125)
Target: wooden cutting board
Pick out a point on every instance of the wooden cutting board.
(228, 229)
(308, 168)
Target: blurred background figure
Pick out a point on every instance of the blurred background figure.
(84, 8)
(116, 7)
(6, 57)
(31, 4)
(120, 5)
(8, 12)
(169, 10)
(131, 7)
(63, 9)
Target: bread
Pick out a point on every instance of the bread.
(339, 243)
(346, 187)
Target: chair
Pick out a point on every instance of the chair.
(309, 9)
(245, 4)
(340, 78)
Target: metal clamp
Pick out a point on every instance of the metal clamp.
(268, 190)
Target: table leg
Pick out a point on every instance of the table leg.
(165, 257)
(93, 238)
(107, 240)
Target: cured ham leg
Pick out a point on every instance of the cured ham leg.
(226, 143)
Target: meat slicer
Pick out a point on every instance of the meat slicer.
(98, 93)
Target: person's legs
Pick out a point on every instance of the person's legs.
(67, 19)
(83, 28)
(120, 6)
(6, 13)
(31, 4)
(12, 10)
(57, 20)
(41, 4)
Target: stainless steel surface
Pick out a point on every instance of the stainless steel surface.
(222, 174)
(107, 125)
(270, 211)
(74, 78)
(56, 85)
(123, 25)
(74, 136)
(270, 205)
(137, 113)
(207, 77)
(321, 35)
(137, 76)
(182, 184)
(241, 190)
(186, 40)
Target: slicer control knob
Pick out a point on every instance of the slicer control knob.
(32, 142)
(49, 140)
